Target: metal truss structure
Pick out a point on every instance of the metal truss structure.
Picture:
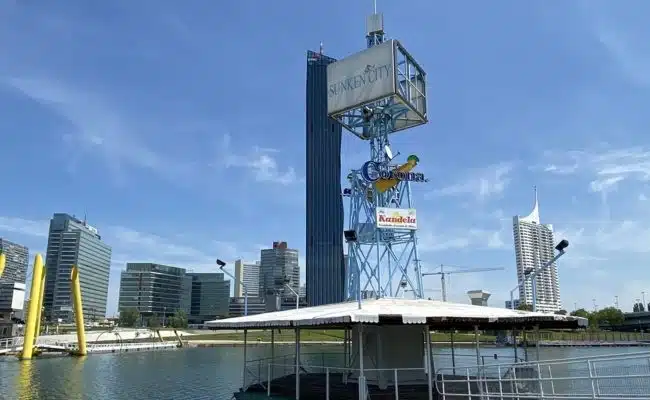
(383, 262)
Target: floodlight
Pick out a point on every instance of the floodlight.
(350, 235)
(562, 245)
(221, 264)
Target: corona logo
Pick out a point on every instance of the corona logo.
(387, 179)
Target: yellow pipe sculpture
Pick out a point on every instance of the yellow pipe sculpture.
(39, 316)
(3, 261)
(30, 329)
(78, 311)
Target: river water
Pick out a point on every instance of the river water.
(197, 373)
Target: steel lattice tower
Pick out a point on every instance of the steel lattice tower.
(383, 262)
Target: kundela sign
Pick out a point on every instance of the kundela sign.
(396, 218)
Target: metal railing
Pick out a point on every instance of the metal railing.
(331, 369)
(337, 382)
(608, 377)
(256, 370)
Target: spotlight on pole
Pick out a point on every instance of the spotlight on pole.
(562, 245)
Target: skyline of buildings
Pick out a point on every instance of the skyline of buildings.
(207, 295)
(535, 246)
(324, 266)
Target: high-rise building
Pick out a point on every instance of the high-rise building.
(154, 289)
(248, 274)
(277, 265)
(534, 247)
(12, 281)
(17, 260)
(74, 242)
(325, 271)
(210, 297)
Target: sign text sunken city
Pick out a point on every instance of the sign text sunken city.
(370, 75)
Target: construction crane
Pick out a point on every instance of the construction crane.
(443, 273)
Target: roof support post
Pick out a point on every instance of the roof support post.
(297, 363)
(362, 377)
(272, 356)
(453, 354)
(429, 362)
(243, 382)
(479, 369)
(537, 340)
(477, 346)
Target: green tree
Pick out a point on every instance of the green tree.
(179, 320)
(129, 317)
(610, 315)
(580, 312)
(561, 312)
(153, 322)
(525, 307)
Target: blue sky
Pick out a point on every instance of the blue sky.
(179, 130)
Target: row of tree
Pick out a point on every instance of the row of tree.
(610, 316)
(638, 307)
(131, 318)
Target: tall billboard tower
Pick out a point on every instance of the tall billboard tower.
(374, 94)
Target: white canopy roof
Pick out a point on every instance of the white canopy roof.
(418, 311)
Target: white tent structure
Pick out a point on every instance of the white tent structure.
(389, 334)
(400, 311)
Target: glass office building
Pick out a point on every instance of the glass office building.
(210, 297)
(153, 289)
(74, 242)
(325, 271)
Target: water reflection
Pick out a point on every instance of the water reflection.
(203, 373)
(24, 379)
(73, 385)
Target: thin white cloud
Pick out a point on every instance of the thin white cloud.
(259, 161)
(607, 167)
(480, 183)
(97, 127)
(24, 227)
(623, 34)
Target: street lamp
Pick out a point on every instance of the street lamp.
(532, 273)
(287, 280)
(221, 265)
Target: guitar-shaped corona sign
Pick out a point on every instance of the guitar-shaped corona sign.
(384, 184)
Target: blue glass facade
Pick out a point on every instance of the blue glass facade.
(74, 242)
(325, 270)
